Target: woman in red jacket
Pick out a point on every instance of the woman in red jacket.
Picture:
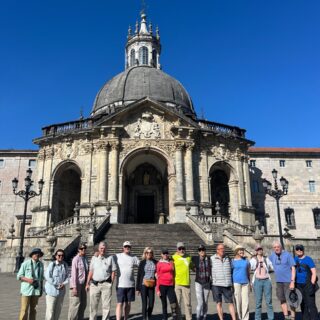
(165, 285)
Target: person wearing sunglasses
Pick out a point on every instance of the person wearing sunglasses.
(202, 267)
(78, 279)
(261, 282)
(165, 285)
(56, 277)
(306, 281)
(146, 282)
(31, 277)
(285, 274)
(125, 288)
(183, 265)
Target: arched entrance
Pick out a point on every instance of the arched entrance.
(66, 191)
(219, 177)
(145, 194)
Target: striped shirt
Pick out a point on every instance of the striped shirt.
(221, 271)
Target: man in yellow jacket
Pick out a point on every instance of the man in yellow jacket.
(183, 265)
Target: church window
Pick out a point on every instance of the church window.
(1, 163)
(132, 57)
(316, 217)
(253, 163)
(312, 186)
(289, 215)
(255, 186)
(143, 55)
(309, 163)
(32, 163)
(154, 58)
(282, 163)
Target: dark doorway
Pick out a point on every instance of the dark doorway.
(145, 209)
(66, 192)
(220, 191)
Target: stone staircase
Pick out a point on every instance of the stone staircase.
(157, 236)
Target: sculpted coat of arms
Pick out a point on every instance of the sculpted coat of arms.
(147, 127)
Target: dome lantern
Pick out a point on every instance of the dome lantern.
(143, 48)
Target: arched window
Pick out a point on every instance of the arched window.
(143, 55)
(132, 57)
(154, 58)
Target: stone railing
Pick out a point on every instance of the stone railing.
(203, 225)
(69, 224)
(67, 127)
(222, 128)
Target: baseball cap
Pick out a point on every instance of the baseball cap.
(180, 244)
(299, 247)
(127, 243)
(165, 251)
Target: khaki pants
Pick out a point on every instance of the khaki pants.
(26, 303)
(78, 304)
(185, 293)
(241, 296)
(103, 291)
(54, 306)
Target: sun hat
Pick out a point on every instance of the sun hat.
(36, 251)
(238, 247)
(293, 297)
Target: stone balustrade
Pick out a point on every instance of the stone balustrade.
(222, 128)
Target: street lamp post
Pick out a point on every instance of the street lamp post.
(277, 194)
(26, 195)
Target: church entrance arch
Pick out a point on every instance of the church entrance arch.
(219, 177)
(145, 193)
(66, 191)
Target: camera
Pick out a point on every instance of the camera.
(35, 284)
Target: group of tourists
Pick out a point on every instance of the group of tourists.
(169, 279)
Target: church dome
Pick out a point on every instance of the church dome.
(139, 82)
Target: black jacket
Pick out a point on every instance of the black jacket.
(196, 263)
(141, 273)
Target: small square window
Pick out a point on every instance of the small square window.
(253, 163)
(312, 186)
(1, 163)
(282, 163)
(309, 163)
(32, 163)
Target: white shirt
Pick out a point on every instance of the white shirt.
(126, 264)
(102, 267)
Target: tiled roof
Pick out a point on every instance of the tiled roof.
(283, 150)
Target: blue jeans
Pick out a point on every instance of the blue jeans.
(260, 287)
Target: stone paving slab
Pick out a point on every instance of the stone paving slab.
(10, 303)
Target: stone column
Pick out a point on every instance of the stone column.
(205, 196)
(113, 183)
(241, 191)
(247, 182)
(179, 174)
(103, 173)
(189, 173)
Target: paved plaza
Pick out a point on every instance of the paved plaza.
(10, 303)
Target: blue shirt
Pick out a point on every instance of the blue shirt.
(240, 271)
(55, 275)
(302, 273)
(282, 265)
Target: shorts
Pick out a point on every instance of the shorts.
(226, 292)
(281, 289)
(125, 294)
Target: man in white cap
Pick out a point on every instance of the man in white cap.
(182, 265)
(125, 280)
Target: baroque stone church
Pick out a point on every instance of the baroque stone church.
(143, 152)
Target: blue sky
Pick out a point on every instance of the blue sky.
(254, 64)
